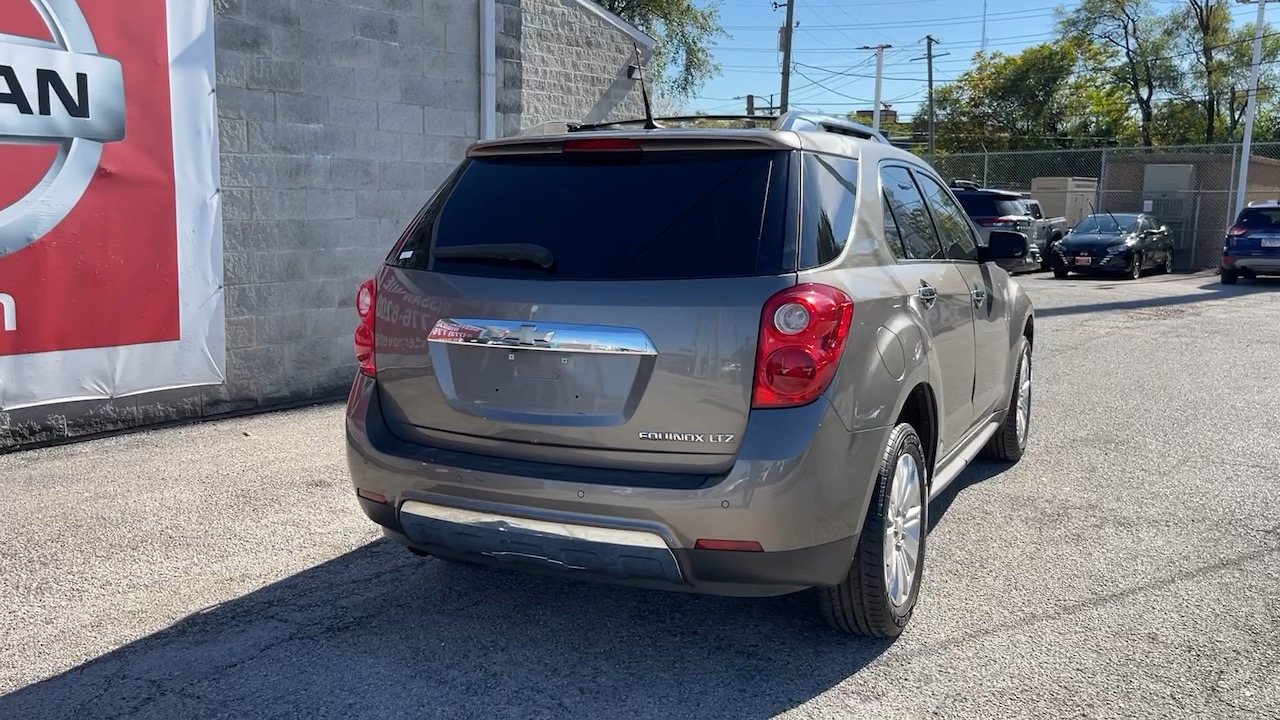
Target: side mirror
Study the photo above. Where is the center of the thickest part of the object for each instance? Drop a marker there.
(1004, 245)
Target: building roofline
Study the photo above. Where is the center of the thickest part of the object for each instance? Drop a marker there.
(641, 37)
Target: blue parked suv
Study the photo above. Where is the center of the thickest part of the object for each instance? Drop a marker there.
(1252, 247)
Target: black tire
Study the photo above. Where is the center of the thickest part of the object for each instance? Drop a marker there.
(1047, 264)
(1167, 267)
(1061, 273)
(1229, 277)
(1006, 445)
(1135, 268)
(860, 604)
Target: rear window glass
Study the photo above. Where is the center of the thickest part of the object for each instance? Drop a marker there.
(979, 205)
(658, 215)
(1258, 218)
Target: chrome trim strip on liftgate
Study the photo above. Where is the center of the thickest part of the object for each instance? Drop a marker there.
(555, 337)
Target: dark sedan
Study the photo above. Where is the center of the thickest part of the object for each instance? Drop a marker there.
(1123, 244)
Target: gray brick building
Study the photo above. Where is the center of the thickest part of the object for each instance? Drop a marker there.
(336, 120)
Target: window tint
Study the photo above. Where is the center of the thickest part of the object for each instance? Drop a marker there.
(830, 188)
(892, 236)
(618, 215)
(990, 205)
(1033, 208)
(958, 237)
(1260, 218)
(919, 239)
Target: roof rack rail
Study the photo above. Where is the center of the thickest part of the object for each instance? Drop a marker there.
(828, 123)
(965, 184)
(802, 121)
(584, 127)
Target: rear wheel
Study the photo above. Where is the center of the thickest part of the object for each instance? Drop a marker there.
(878, 596)
(1168, 264)
(1229, 277)
(1010, 441)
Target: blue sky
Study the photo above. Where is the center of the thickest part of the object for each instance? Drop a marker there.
(833, 75)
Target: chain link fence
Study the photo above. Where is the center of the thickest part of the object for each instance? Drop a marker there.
(1190, 188)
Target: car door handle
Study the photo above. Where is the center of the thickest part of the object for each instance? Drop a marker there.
(979, 296)
(927, 293)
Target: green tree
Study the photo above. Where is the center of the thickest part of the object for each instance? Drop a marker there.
(1095, 109)
(686, 33)
(1238, 59)
(1202, 31)
(1005, 101)
(1135, 50)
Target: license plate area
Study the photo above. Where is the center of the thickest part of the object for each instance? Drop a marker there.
(1084, 261)
(1270, 242)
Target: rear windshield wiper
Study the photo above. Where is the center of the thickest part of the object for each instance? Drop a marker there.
(516, 254)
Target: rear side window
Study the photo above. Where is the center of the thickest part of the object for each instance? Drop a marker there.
(919, 238)
(985, 205)
(659, 215)
(1260, 219)
(830, 189)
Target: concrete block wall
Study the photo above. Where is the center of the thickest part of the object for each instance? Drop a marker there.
(565, 60)
(337, 119)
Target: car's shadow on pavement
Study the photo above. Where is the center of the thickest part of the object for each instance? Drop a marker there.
(381, 633)
(978, 471)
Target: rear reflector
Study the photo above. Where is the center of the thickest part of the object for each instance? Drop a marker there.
(371, 495)
(598, 144)
(738, 545)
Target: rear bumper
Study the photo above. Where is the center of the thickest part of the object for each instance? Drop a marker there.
(805, 512)
(1261, 263)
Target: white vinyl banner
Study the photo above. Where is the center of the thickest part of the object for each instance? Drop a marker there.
(110, 215)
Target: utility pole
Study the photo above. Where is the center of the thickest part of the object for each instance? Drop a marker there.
(787, 32)
(751, 104)
(930, 41)
(1251, 109)
(875, 121)
(984, 26)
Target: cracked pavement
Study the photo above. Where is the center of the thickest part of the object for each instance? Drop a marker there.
(1129, 566)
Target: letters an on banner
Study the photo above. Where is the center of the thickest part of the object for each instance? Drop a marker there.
(110, 221)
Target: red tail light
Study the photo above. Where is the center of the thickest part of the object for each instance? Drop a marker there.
(597, 144)
(366, 308)
(802, 337)
(1237, 230)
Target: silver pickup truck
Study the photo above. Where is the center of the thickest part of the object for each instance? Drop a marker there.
(1045, 231)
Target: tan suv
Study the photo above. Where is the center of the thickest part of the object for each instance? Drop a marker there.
(733, 361)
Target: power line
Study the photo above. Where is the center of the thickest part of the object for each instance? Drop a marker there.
(1024, 14)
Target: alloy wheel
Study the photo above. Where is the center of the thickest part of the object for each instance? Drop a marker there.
(1023, 420)
(902, 530)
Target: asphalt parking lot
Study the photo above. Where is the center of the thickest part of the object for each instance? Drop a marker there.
(1127, 567)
